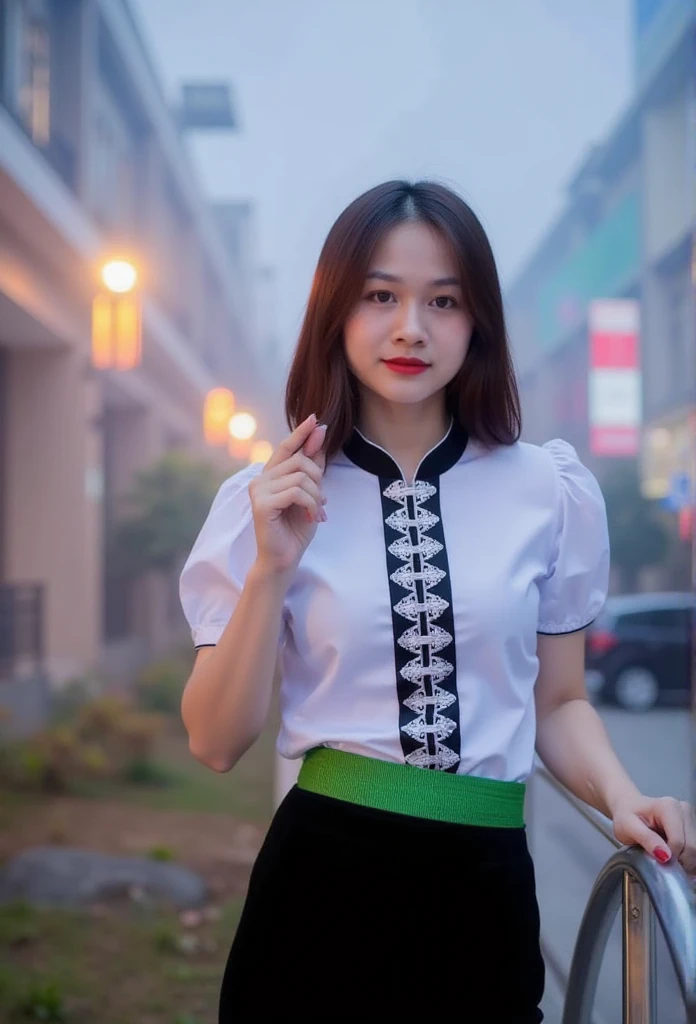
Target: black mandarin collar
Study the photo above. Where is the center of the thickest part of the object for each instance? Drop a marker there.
(438, 460)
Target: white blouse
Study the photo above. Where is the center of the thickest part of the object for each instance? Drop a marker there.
(410, 629)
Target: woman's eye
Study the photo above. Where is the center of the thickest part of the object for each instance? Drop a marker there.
(445, 302)
(382, 298)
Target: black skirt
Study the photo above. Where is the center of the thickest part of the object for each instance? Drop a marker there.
(355, 914)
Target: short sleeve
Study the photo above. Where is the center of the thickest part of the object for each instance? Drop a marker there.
(575, 588)
(225, 549)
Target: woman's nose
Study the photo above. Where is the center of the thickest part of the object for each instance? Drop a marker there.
(410, 326)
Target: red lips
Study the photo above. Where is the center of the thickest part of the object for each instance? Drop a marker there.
(402, 364)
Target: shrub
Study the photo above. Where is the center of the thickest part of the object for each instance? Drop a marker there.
(43, 1000)
(67, 701)
(149, 773)
(160, 685)
(106, 738)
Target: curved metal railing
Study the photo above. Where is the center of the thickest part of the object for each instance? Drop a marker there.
(648, 894)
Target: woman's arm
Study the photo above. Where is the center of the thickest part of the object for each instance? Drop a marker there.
(226, 700)
(227, 697)
(574, 745)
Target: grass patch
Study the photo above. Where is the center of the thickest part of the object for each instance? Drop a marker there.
(161, 853)
(112, 967)
(128, 963)
(246, 793)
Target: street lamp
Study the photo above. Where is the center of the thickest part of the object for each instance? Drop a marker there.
(217, 412)
(242, 426)
(119, 276)
(117, 318)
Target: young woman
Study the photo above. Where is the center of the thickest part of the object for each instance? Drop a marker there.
(425, 578)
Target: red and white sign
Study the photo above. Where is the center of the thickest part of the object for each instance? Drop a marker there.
(615, 387)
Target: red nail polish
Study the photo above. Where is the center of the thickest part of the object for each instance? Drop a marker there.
(662, 855)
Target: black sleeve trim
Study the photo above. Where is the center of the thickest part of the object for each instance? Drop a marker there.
(199, 647)
(568, 632)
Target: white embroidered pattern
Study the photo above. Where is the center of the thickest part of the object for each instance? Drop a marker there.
(431, 727)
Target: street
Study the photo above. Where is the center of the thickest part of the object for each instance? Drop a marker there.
(655, 747)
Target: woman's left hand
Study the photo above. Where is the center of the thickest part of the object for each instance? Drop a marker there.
(664, 827)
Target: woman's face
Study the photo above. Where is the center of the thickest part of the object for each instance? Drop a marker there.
(409, 334)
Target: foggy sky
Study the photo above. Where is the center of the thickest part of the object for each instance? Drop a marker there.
(500, 98)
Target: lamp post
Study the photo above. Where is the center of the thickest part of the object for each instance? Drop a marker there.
(218, 410)
(117, 318)
(241, 428)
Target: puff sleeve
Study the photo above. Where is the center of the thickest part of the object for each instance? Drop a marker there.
(574, 590)
(213, 576)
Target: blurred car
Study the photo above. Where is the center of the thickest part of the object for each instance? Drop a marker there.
(639, 651)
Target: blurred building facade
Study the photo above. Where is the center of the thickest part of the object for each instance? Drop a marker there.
(626, 232)
(93, 162)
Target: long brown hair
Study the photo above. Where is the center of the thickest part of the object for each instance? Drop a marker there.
(483, 396)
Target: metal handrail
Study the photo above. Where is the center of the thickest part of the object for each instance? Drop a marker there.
(647, 892)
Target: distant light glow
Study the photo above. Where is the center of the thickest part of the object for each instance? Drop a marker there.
(119, 276)
(261, 451)
(242, 426)
(660, 437)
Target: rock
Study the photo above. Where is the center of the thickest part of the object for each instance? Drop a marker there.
(65, 877)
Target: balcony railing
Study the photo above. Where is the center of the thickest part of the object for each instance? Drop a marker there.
(21, 629)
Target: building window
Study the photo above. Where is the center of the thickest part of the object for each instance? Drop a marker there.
(33, 70)
(175, 256)
(113, 182)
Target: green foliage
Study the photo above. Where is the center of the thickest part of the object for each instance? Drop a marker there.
(72, 696)
(18, 923)
(159, 686)
(145, 772)
(638, 537)
(165, 938)
(163, 854)
(43, 1000)
(167, 506)
(103, 740)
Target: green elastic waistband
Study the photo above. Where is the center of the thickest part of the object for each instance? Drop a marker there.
(418, 792)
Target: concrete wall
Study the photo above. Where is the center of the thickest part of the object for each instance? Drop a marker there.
(52, 517)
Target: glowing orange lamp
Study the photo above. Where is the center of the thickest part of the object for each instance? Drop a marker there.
(218, 410)
(117, 319)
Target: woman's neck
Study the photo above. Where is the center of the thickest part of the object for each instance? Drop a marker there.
(407, 432)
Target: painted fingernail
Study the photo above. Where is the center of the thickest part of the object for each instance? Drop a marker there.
(662, 855)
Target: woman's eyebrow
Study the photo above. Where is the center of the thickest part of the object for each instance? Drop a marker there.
(439, 282)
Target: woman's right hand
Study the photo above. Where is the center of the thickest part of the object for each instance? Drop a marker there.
(286, 498)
